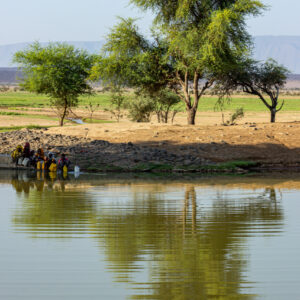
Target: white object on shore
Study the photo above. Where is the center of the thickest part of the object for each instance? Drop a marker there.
(76, 171)
(25, 162)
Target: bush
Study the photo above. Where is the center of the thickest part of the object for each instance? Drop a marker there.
(238, 114)
(141, 108)
(4, 88)
(117, 100)
(164, 101)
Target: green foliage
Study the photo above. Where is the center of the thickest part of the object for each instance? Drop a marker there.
(263, 80)
(141, 109)
(117, 101)
(237, 115)
(59, 71)
(193, 40)
(91, 107)
(164, 102)
(130, 60)
(226, 38)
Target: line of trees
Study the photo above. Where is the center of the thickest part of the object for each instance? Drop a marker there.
(194, 45)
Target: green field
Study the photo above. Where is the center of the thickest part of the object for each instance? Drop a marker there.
(19, 100)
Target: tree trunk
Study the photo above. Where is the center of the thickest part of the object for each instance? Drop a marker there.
(166, 116)
(191, 116)
(158, 116)
(273, 115)
(61, 123)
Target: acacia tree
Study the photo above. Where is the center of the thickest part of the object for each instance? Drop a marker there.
(59, 71)
(263, 80)
(129, 59)
(204, 37)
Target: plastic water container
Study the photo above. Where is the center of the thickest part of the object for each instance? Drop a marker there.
(76, 170)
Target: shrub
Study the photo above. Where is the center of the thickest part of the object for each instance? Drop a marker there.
(141, 109)
(238, 114)
(164, 101)
(117, 101)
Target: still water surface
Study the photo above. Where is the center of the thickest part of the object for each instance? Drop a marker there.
(135, 238)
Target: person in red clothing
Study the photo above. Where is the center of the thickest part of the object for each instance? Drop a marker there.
(26, 150)
(64, 161)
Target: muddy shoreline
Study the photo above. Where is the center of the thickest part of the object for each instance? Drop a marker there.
(95, 155)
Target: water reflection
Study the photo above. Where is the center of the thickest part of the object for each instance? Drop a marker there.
(46, 208)
(191, 240)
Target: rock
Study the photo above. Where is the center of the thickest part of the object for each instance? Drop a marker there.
(187, 162)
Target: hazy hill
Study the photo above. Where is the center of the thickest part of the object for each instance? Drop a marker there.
(285, 49)
(8, 75)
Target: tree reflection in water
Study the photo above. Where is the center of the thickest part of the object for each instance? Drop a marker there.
(194, 250)
(47, 208)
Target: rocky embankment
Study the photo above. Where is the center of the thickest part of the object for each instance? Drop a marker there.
(98, 155)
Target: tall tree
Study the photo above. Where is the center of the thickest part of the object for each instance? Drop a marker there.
(263, 80)
(59, 71)
(129, 59)
(205, 37)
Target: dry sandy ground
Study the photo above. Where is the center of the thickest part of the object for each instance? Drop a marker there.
(264, 142)
(203, 118)
(10, 121)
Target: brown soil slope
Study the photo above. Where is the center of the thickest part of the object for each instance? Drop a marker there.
(267, 143)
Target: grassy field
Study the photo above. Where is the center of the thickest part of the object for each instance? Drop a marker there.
(12, 128)
(20, 100)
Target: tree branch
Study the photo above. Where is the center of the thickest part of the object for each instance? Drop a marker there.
(281, 106)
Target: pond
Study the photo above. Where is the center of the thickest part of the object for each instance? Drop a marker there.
(137, 237)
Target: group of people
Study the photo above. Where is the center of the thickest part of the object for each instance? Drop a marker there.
(24, 156)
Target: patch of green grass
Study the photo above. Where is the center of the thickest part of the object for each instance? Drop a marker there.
(14, 128)
(35, 127)
(94, 121)
(22, 99)
(11, 128)
(231, 165)
(31, 116)
(10, 113)
(239, 164)
(207, 103)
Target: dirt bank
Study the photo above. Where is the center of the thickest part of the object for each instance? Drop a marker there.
(277, 143)
(129, 146)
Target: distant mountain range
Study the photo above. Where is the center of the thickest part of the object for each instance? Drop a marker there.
(284, 49)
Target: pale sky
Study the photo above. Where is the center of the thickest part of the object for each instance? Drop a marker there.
(90, 20)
